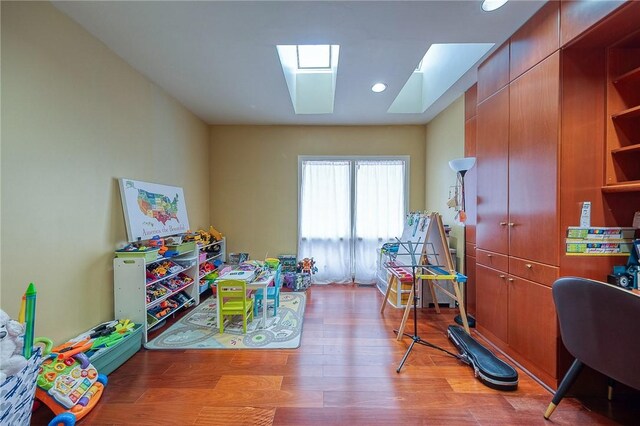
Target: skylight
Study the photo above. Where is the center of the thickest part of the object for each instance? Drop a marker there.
(313, 56)
(441, 66)
(310, 72)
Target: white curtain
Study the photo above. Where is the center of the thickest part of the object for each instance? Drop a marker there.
(379, 212)
(325, 219)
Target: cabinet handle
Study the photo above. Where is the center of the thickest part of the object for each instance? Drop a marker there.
(528, 265)
(503, 223)
(510, 279)
(501, 276)
(511, 224)
(489, 255)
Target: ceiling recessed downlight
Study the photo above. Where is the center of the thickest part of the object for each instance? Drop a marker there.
(490, 5)
(379, 87)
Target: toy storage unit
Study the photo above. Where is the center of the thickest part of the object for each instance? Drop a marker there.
(132, 286)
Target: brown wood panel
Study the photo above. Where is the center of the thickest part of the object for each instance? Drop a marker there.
(578, 16)
(534, 118)
(492, 150)
(470, 249)
(583, 155)
(533, 271)
(470, 287)
(535, 40)
(493, 73)
(533, 327)
(492, 260)
(492, 299)
(617, 25)
(470, 181)
(470, 102)
(470, 137)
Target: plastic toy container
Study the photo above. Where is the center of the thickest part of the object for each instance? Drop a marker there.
(106, 360)
(184, 247)
(148, 255)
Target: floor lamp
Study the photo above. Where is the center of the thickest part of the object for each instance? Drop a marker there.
(461, 166)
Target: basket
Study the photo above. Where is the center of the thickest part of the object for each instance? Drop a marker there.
(272, 262)
(17, 393)
(147, 255)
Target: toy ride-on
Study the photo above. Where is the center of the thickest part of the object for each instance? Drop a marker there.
(68, 384)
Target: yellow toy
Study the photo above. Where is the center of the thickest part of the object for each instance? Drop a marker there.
(215, 233)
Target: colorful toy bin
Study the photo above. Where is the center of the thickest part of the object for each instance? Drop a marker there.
(17, 392)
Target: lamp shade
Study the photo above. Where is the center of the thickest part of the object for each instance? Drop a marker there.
(459, 165)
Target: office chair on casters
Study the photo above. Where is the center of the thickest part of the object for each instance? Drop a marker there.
(599, 328)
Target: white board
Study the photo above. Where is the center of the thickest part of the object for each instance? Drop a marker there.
(152, 209)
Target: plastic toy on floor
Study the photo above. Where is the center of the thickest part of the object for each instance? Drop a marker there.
(68, 384)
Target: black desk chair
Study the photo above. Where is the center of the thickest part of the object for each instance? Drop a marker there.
(598, 324)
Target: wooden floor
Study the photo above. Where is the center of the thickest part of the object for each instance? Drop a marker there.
(344, 373)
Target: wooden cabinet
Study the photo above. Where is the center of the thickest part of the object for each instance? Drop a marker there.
(534, 113)
(492, 302)
(538, 38)
(493, 73)
(492, 150)
(470, 188)
(529, 326)
(623, 116)
(563, 130)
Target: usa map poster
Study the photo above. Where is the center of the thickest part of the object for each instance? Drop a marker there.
(152, 209)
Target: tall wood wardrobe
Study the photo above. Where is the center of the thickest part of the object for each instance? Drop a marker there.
(553, 121)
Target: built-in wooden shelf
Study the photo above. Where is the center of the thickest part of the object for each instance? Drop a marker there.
(627, 149)
(628, 113)
(631, 186)
(634, 74)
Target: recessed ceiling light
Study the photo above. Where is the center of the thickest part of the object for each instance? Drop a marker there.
(379, 87)
(490, 5)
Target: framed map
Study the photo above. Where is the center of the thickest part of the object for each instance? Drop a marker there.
(152, 209)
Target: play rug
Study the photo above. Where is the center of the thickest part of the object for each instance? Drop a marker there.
(199, 329)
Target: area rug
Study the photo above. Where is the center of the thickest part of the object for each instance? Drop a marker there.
(199, 329)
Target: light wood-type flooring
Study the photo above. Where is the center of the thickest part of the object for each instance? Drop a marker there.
(344, 373)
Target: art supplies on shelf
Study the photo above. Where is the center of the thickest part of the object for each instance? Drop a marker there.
(600, 233)
(603, 241)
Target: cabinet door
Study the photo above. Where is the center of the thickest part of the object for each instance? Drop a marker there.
(533, 329)
(491, 301)
(492, 147)
(470, 272)
(533, 163)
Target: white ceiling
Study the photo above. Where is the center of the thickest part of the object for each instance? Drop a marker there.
(219, 59)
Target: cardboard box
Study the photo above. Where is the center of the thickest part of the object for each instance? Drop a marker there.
(598, 246)
(600, 233)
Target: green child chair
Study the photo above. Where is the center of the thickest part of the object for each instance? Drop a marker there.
(232, 297)
(273, 293)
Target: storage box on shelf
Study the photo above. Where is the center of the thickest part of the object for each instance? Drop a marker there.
(148, 290)
(210, 257)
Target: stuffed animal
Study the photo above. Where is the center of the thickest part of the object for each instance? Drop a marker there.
(11, 343)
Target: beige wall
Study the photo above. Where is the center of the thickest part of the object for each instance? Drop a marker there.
(254, 177)
(445, 141)
(74, 118)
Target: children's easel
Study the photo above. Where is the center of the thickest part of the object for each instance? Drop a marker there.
(434, 265)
